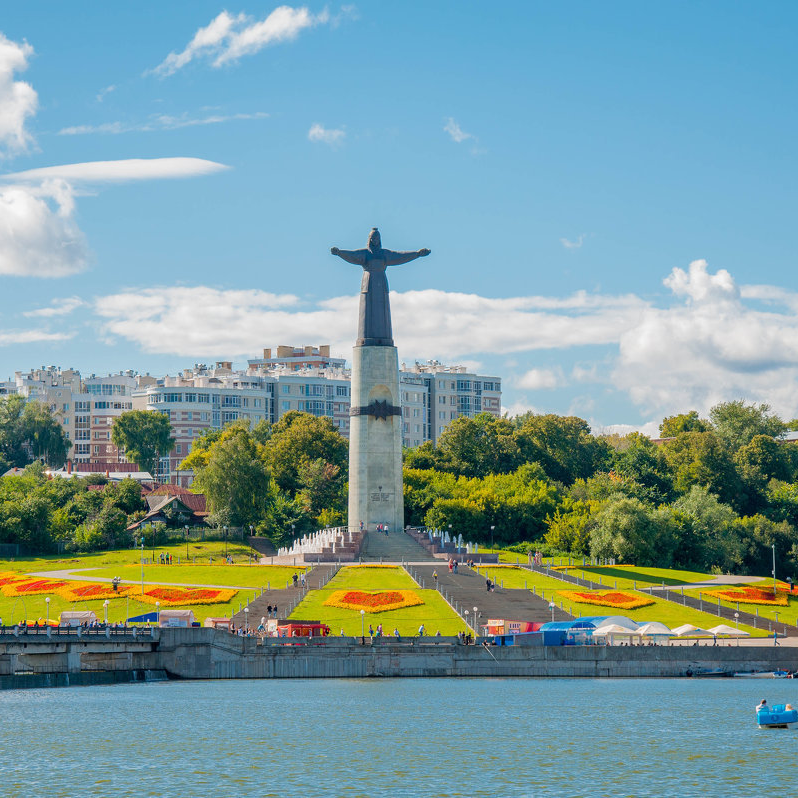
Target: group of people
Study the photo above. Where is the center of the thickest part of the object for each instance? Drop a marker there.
(165, 558)
(271, 612)
(297, 580)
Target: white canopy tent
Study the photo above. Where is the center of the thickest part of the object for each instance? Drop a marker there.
(688, 630)
(655, 629)
(613, 630)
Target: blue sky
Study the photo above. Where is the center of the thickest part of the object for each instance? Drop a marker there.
(608, 191)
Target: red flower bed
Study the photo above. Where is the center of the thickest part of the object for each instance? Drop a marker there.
(608, 598)
(750, 595)
(381, 601)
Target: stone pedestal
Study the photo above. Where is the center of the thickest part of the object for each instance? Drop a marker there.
(375, 440)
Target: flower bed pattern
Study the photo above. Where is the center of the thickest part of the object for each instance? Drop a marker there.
(750, 595)
(14, 584)
(609, 598)
(183, 596)
(380, 601)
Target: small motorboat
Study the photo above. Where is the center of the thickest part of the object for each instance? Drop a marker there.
(777, 717)
(762, 674)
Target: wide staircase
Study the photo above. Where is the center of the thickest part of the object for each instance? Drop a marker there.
(285, 598)
(393, 547)
(467, 589)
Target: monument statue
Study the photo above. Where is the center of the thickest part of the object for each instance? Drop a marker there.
(374, 322)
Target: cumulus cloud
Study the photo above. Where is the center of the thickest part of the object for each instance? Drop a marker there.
(542, 379)
(121, 171)
(705, 342)
(18, 100)
(229, 37)
(331, 136)
(456, 133)
(58, 307)
(38, 233)
(159, 122)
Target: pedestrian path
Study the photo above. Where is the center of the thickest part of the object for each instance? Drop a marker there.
(467, 589)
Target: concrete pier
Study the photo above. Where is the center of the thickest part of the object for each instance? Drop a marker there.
(212, 654)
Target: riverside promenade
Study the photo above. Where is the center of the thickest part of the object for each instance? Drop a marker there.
(120, 655)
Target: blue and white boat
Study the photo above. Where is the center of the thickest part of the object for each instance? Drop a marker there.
(777, 717)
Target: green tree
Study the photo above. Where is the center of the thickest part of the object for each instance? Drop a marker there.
(298, 439)
(146, 436)
(684, 422)
(736, 423)
(637, 459)
(571, 525)
(699, 458)
(29, 430)
(476, 447)
(705, 523)
(236, 480)
(632, 532)
(563, 445)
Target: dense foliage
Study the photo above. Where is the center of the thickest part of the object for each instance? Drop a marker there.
(712, 494)
(28, 432)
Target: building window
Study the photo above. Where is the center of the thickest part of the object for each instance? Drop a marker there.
(203, 398)
(286, 405)
(286, 389)
(341, 390)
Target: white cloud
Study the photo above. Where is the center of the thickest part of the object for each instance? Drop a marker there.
(542, 379)
(331, 136)
(18, 100)
(9, 337)
(103, 92)
(703, 344)
(58, 307)
(573, 244)
(227, 38)
(158, 122)
(456, 133)
(38, 234)
(650, 428)
(121, 171)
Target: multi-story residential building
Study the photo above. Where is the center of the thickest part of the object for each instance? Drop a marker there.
(307, 379)
(86, 408)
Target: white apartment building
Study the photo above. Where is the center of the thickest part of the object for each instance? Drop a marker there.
(307, 379)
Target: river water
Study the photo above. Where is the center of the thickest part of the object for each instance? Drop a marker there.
(399, 737)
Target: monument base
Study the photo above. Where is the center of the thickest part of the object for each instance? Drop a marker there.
(375, 440)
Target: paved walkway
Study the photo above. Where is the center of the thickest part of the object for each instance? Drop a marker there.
(467, 589)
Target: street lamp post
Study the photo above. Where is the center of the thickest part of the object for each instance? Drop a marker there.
(362, 626)
(157, 613)
(491, 535)
(105, 610)
(251, 534)
(476, 622)
(186, 542)
(465, 612)
(225, 543)
(246, 619)
(737, 624)
(47, 604)
(773, 547)
(142, 563)
(551, 607)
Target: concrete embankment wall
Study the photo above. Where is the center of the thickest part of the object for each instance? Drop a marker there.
(212, 654)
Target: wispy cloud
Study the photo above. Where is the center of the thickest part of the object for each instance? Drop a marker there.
(58, 307)
(119, 171)
(573, 244)
(18, 100)
(542, 379)
(159, 122)
(331, 136)
(229, 37)
(102, 93)
(9, 337)
(456, 133)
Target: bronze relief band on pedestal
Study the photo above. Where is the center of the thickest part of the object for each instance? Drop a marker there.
(378, 409)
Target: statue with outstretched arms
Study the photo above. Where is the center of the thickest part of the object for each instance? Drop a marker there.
(374, 323)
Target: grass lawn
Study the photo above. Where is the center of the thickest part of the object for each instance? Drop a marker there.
(626, 576)
(434, 613)
(243, 575)
(788, 614)
(667, 612)
(200, 551)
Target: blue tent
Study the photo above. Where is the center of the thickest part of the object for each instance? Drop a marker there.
(560, 633)
(152, 617)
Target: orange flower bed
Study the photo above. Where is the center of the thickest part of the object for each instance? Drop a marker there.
(608, 598)
(12, 584)
(750, 595)
(183, 596)
(380, 601)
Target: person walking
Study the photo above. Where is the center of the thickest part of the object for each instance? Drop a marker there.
(421, 630)
(488, 584)
(435, 577)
